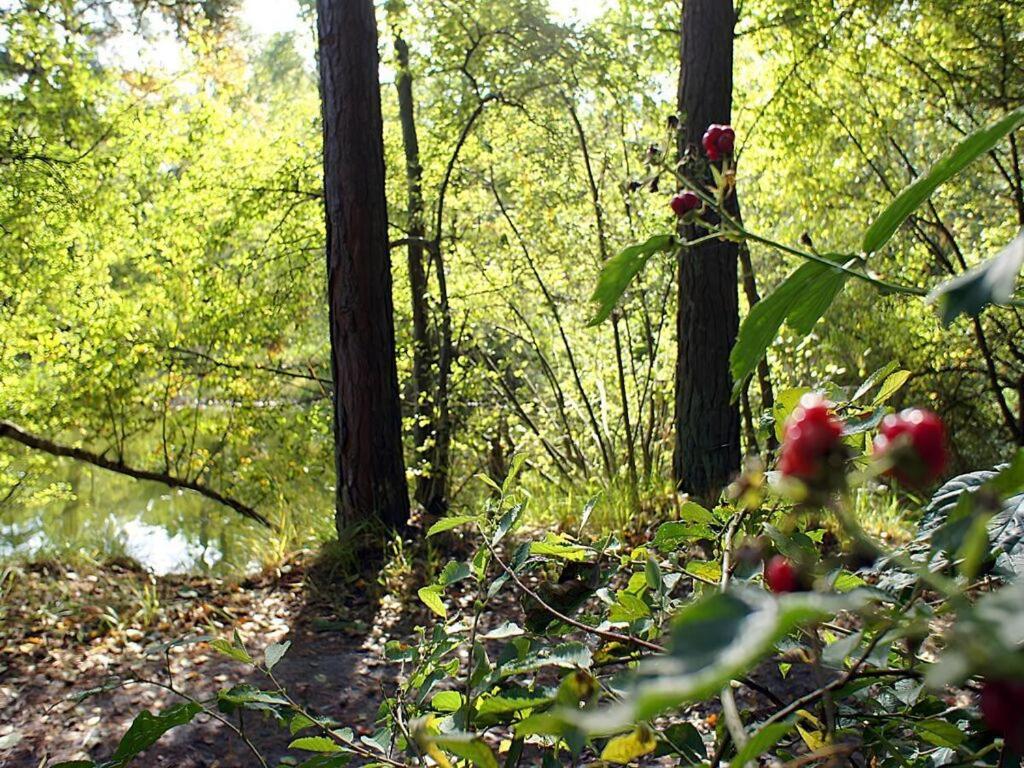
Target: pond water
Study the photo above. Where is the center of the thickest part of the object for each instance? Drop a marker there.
(103, 515)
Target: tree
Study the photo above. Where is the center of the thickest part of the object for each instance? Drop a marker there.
(707, 447)
(367, 416)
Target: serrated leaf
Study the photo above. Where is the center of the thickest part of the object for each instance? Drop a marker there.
(893, 383)
(991, 282)
(234, 651)
(147, 728)
(620, 270)
(623, 749)
(950, 164)
(275, 653)
(431, 597)
(448, 523)
(802, 298)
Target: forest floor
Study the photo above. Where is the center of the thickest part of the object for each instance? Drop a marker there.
(67, 631)
(64, 632)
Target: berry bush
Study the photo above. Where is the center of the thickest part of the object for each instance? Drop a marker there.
(771, 625)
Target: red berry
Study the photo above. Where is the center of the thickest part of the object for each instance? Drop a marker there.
(718, 140)
(684, 203)
(1002, 705)
(813, 435)
(781, 576)
(727, 140)
(710, 141)
(914, 441)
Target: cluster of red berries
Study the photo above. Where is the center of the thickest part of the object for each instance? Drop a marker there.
(912, 442)
(1002, 706)
(718, 141)
(812, 444)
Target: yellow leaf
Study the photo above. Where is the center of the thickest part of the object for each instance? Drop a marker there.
(629, 746)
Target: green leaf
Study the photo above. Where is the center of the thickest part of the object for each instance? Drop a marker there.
(560, 547)
(713, 641)
(504, 631)
(147, 729)
(453, 572)
(321, 744)
(761, 742)
(618, 272)
(940, 733)
(275, 653)
(446, 701)
(468, 747)
(880, 375)
(802, 298)
(512, 702)
(628, 608)
(991, 282)
(236, 652)
(786, 402)
(431, 597)
(623, 749)
(950, 164)
(447, 523)
(893, 384)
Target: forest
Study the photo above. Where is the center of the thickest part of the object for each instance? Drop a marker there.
(467, 383)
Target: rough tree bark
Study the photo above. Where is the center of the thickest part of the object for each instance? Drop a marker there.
(707, 449)
(367, 413)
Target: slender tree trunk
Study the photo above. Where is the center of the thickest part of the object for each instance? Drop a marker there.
(764, 376)
(707, 449)
(367, 413)
(424, 408)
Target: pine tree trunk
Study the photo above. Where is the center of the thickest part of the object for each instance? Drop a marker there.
(707, 449)
(367, 416)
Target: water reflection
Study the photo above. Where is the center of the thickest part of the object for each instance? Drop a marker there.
(103, 515)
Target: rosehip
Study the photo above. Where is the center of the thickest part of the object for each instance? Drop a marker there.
(811, 442)
(1002, 705)
(914, 441)
(718, 140)
(684, 203)
(781, 576)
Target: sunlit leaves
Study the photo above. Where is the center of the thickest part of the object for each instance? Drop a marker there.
(618, 272)
(958, 158)
(801, 299)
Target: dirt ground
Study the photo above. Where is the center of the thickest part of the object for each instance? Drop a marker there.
(65, 645)
(63, 633)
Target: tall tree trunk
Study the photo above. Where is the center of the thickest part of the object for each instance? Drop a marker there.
(707, 449)
(367, 414)
(429, 492)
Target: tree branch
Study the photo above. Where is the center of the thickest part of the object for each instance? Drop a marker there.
(12, 432)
